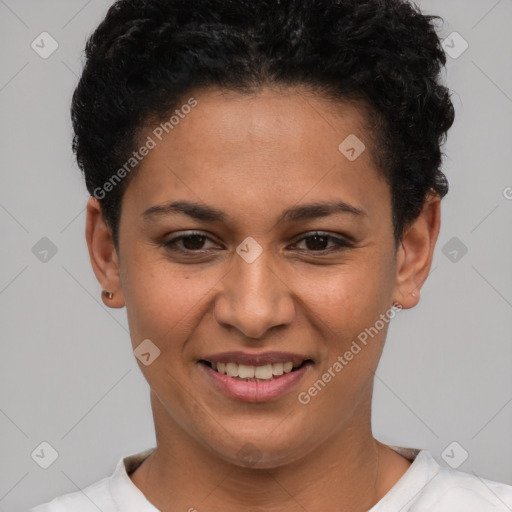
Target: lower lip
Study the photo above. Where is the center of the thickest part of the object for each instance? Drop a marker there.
(257, 391)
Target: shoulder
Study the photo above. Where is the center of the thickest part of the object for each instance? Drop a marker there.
(111, 494)
(450, 490)
(91, 499)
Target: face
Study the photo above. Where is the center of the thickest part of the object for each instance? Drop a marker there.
(225, 265)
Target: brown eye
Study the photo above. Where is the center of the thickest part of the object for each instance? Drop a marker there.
(318, 242)
(193, 242)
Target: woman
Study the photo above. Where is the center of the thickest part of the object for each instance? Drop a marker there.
(265, 197)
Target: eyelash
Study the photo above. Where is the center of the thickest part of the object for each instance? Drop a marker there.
(340, 244)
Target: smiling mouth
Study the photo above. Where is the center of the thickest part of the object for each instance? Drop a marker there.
(249, 373)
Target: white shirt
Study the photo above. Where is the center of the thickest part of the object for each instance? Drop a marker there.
(424, 487)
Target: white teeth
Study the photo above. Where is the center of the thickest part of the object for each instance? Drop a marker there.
(232, 369)
(246, 371)
(263, 372)
(277, 369)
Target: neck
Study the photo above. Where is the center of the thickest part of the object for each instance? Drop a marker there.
(349, 471)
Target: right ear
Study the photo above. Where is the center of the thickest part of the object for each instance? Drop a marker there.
(103, 254)
(416, 251)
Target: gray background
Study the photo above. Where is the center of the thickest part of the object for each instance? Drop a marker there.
(68, 374)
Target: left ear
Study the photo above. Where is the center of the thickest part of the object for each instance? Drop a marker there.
(415, 253)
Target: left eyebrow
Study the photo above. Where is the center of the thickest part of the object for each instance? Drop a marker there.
(294, 214)
(319, 209)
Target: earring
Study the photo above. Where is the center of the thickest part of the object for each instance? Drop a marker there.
(108, 295)
(413, 294)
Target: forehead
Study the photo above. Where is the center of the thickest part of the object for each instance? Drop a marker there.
(279, 120)
(277, 145)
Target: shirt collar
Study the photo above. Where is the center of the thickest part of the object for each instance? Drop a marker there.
(128, 497)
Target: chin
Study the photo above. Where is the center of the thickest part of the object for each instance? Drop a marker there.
(260, 451)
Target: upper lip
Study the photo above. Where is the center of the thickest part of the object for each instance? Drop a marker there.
(258, 359)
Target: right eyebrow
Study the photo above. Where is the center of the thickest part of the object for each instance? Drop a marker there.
(196, 210)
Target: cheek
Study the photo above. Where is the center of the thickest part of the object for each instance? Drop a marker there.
(165, 301)
(349, 297)
(162, 299)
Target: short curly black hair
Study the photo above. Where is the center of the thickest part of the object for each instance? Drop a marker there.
(147, 55)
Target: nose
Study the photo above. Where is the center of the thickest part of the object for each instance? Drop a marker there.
(254, 298)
